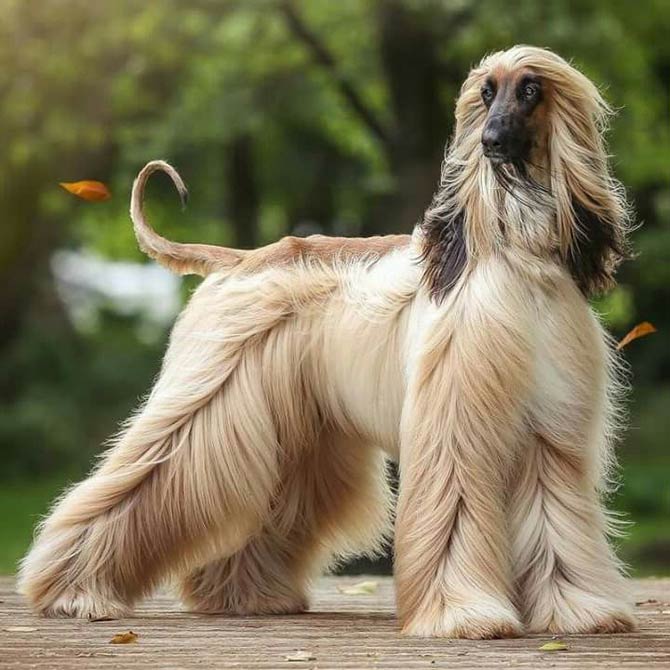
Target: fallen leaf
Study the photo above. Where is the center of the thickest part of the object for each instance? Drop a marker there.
(648, 601)
(96, 619)
(20, 629)
(642, 329)
(93, 191)
(554, 645)
(361, 589)
(301, 656)
(124, 638)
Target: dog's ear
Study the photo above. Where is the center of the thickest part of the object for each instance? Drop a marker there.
(592, 214)
(444, 250)
(595, 252)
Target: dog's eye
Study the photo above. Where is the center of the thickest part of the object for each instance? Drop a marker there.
(487, 94)
(530, 91)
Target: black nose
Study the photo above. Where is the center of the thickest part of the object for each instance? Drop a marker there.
(492, 141)
(494, 137)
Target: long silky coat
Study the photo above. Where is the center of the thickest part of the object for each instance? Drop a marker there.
(468, 352)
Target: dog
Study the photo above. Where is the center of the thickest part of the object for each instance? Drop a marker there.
(468, 352)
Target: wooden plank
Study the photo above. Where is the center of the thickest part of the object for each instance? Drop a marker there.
(341, 631)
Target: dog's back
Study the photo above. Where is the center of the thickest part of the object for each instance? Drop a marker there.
(337, 325)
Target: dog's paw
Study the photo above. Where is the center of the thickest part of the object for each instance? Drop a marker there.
(476, 620)
(206, 592)
(53, 592)
(54, 596)
(586, 615)
(80, 604)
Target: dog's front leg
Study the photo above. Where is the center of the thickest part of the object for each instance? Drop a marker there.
(568, 577)
(461, 424)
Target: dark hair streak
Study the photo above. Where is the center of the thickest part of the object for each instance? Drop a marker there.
(444, 251)
(597, 250)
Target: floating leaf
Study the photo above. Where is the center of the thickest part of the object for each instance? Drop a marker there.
(124, 638)
(20, 629)
(93, 191)
(361, 589)
(299, 656)
(642, 329)
(554, 645)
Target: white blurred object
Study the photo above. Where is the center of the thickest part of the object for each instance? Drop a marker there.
(86, 282)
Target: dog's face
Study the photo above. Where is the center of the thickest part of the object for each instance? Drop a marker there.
(514, 102)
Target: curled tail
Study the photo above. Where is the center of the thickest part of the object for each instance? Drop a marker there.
(199, 259)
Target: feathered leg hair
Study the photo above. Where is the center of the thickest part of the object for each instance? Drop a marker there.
(224, 468)
(334, 501)
(461, 431)
(567, 576)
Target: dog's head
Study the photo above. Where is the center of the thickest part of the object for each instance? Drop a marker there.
(527, 167)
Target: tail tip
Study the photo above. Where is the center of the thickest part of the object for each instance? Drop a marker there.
(183, 197)
(164, 166)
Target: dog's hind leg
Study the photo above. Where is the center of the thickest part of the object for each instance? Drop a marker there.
(333, 501)
(190, 478)
(155, 506)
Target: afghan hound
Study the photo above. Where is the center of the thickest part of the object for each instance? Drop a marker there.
(467, 351)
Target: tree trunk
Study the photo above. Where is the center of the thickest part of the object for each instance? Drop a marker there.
(409, 57)
(243, 191)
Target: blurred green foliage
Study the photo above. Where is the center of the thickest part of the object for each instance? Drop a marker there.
(315, 114)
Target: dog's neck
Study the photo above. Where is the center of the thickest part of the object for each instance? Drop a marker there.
(480, 212)
(509, 208)
(499, 210)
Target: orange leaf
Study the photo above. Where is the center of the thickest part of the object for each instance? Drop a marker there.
(93, 191)
(124, 638)
(642, 329)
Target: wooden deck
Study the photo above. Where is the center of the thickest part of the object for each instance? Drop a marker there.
(341, 631)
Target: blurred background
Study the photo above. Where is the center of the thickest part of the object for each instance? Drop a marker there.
(282, 117)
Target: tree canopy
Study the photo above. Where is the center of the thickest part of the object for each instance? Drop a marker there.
(281, 115)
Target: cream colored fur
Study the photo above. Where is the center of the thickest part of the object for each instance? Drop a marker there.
(259, 455)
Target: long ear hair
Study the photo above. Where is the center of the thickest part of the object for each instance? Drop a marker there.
(592, 215)
(447, 232)
(444, 249)
(582, 214)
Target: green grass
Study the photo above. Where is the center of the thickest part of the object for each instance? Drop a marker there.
(646, 548)
(21, 506)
